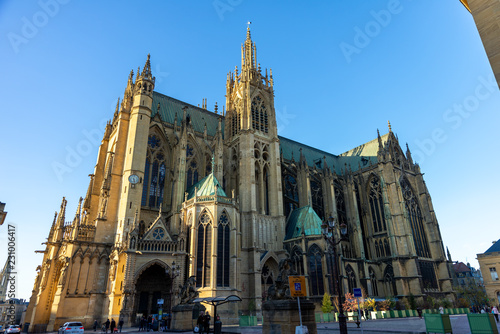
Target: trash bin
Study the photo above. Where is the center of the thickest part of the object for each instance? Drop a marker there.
(217, 327)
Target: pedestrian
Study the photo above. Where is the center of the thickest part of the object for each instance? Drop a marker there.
(150, 318)
(113, 325)
(419, 311)
(120, 325)
(200, 322)
(483, 310)
(107, 325)
(441, 309)
(494, 310)
(96, 324)
(206, 322)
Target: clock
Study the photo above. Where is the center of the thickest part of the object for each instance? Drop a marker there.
(134, 179)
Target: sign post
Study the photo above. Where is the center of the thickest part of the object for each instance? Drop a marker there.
(160, 312)
(298, 289)
(357, 294)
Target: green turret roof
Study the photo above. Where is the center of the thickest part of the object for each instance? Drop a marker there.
(303, 220)
(206, 187)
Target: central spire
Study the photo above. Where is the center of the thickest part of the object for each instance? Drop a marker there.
(248, 52)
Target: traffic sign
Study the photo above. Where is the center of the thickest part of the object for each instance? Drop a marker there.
(297, 286)
(357, 293)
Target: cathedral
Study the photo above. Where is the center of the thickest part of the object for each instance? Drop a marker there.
(181, 192)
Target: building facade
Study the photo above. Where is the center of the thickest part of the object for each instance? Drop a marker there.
(489, 263)
(226, 198)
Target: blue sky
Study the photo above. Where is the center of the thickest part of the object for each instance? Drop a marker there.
(341, 69)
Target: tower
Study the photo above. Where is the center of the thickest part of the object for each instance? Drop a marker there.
(254, 162)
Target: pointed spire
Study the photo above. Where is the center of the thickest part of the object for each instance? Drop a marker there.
(62, 213)
(408, 155)
(213, 163)
(117, 106)
(146, 71)
(216, 108)
(249, 37)
(448, 254)
(76, 220)
(389, 125)
(138, 73)
(86, 203)
(380, 146)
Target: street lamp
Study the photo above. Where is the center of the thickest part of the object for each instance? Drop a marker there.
(328, 229)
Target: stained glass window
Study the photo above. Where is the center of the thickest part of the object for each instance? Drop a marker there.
(259, 115)
(155, 171)
(317, 198)
(204, 251)
(316, 271)
(377, 206)
(416, 220)
(291, 194)
(223, 255)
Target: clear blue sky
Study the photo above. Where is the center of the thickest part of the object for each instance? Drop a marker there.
(342, 69)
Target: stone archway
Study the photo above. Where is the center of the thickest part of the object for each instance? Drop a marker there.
(152, 284)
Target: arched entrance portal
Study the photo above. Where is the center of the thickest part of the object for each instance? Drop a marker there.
(152, 284)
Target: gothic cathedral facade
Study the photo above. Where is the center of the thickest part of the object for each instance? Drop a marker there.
(179, 192)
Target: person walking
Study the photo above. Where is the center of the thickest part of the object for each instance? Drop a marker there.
(200, 322)
(113, 325)
(120, 325)
(96, 324)
(107, 325)
(494, 310)
(441, 309)
(206, 322)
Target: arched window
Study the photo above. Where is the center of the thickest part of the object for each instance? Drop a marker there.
(341, 207)
(416, 220)
(192, 167)
(389, 282)
(155, 171)
(259, 115)
(362, 223)
(266, 279)
(377, 206)
(387, 248)
(204, 252)
(291, 194)
(298, 263)
(373, 281)
(351, 278)
(316, 271)
(223, 256)
(317, 198)
(377, 250)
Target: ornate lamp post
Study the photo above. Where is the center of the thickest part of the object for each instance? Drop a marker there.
(328, 229)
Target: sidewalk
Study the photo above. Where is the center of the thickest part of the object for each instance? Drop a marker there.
(459, 325)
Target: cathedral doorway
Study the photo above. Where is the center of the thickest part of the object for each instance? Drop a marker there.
(153, 284)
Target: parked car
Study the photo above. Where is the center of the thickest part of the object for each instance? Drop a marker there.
(71, 328)
(2, 330)
(13, 329)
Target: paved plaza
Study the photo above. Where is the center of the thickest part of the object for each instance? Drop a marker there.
(459, 325)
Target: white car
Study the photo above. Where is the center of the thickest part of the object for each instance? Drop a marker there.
(71, 328)
(13, 329)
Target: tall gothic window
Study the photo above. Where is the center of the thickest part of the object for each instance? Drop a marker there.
(259, 115)
(291, 194)
(340, 203)
(266, 279)
(298, 263)
(377, 206)
(192, 167)
(416, 220)
(373, 281)
(351, 278)
(368, 254)
(204, 252)
(317, 198)
(316, 270)
(223, 255)
(389, 282)
(235, 122)
(155, 171)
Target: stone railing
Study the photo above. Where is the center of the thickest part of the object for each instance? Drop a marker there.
(157, 246)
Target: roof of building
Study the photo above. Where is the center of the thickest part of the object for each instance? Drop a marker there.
(461, 267)
(360, 156)
(303, 220)
(206, 187)
(199, 116)
(494, 248)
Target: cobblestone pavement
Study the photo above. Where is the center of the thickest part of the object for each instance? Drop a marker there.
(459, 325)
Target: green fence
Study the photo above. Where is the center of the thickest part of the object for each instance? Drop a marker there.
(482, 323)
(248, 320)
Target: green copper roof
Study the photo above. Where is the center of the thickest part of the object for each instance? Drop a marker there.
(303, 220)
(314, 156)
(206, 187)
(170, 106)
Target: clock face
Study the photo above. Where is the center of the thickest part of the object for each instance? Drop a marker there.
(158, 233)
(133, 179)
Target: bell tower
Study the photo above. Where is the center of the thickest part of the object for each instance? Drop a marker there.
(254, 172)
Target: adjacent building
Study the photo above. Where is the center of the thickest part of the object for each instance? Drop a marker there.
(489, 263)
(225, 198)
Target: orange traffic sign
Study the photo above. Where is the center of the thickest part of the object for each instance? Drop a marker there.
(297, 286)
